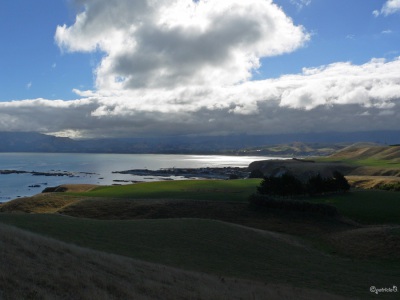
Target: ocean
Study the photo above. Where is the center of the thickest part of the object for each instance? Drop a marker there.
(96, 168)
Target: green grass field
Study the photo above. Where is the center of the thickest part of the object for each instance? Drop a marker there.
(216, 190)
(217, 248)
(366, 206)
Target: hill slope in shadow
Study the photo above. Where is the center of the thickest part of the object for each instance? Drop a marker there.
(34, 267)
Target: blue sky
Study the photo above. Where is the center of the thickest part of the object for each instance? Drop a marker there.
(46, 53)
(342, 31)
(29, 55)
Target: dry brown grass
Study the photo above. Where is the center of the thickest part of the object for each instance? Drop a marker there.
(78, 188)
(375, 171)
(34, 267)
(362, 151)
(371, 182)
(47, 202)
(40, 203)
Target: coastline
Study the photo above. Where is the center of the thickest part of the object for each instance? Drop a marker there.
(18, 180)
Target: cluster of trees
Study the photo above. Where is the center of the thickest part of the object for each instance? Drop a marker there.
(273, 193)
(288, 185)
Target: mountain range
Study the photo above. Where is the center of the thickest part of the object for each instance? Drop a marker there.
(309, 143)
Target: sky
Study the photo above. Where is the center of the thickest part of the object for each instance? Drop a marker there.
(114, 68)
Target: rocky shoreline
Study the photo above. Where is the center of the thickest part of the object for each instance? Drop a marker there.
(36, 185)
(206, 173)
(35, 173)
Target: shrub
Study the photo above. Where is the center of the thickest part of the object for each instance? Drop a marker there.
(393, 186)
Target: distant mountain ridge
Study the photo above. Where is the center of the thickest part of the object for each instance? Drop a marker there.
(297, 144)
(35, 142)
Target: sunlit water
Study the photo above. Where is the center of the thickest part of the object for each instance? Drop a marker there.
(100, 166)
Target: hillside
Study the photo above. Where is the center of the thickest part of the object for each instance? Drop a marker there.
(35, 267)
(369, 152)
(295, 149)
(381, 162)
(218, 248)
(201, 226)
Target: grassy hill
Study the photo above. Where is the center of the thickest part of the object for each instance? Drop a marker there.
(35, 267)
(217, 248)
(373, 166)
(207, 226)
(369, 155)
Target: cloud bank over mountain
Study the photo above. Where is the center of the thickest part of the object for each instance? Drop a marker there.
(180, 67)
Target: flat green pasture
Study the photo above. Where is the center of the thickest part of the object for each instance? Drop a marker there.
(215, 190)
(218, 248)
(366, 206)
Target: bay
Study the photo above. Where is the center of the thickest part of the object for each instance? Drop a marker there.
(96, 168)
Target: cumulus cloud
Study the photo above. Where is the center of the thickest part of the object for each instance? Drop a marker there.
(173, 43)
(390, 7)
(177, 67)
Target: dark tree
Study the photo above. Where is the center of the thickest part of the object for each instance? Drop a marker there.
(257, 173)
(289, 185)
(340, 181)
(285, 185)
(317, 185)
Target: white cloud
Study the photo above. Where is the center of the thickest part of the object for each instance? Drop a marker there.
(300, 3)
(340, 96)
(388, 31)
(178, 67)
(390, 7)
(174, 43)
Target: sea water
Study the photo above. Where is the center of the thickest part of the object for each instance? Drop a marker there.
(96, 168)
